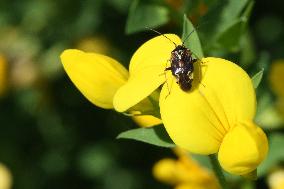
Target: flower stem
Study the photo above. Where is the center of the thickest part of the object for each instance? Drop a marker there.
(218, 171)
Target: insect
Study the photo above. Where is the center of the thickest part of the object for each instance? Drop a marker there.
(181, 64)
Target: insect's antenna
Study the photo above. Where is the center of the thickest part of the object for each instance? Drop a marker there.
(189, 34)
(194, 29)
(162, 35)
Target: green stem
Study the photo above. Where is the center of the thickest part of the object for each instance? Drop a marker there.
(218, 171)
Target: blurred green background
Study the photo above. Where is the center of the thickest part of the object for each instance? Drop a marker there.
(52, 137)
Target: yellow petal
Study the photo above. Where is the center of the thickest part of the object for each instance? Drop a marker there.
(206, 185)
(276, 179)
(146, 71)
(165, 171)
(146, 120)
(184, 171)
(243, 149)
(199, 119)
(148, 106)
(97, 76)
(180, 171)
(276, 77)
(5, 177)
(191, 186)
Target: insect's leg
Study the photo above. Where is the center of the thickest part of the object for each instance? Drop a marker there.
(197, 58)
(166, 69)
(170, 88)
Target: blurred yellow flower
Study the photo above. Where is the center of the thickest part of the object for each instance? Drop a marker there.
(5, 177)
(3, 74)
(276, 78)
(94, 44)
(184, 173)
(216, 116)
(276, 179)
(24, 74)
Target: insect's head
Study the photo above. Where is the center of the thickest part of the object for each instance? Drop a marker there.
(179, 50)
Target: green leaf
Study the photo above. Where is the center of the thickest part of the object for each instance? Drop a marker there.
(202, 160)
(248, 9)
(256, 79)
(275, 154)
(191, 39)
(224, 12)
(156, 135)
(251, 176)
(120, 5)
(230, 37)
(142, 15)
(220, 16)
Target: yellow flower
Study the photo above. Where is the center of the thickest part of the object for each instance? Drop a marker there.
(276, 179)
(5, 177)
(184, 173)
(98, 77)
(94, 44)
(3, 74)
(215, 116)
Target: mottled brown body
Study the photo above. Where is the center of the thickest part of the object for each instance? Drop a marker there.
(182, 66)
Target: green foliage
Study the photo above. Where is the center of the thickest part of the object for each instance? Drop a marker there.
(230, 37)
(156, 135)
(248, 51)
(191, 39)
(275, 154)
(51, 137)
(256, 79)
(224, 17)
(222, 14)
(269, 117)
(95, 161)
(142, 15)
